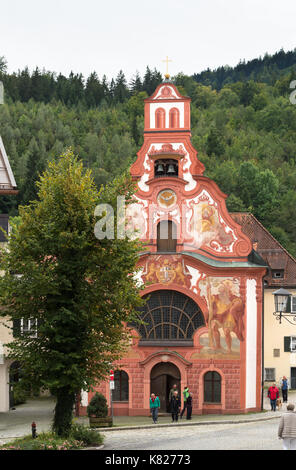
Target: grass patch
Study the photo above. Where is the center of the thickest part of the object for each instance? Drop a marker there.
(79, 438)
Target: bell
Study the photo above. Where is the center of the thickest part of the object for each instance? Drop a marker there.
(171, 169)
(159, 168)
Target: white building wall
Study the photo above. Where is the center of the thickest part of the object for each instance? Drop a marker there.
(167, 107)
(4, 387)
(251, 344)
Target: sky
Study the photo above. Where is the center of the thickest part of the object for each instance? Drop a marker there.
(103, 36)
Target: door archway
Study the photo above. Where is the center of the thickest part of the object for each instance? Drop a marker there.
(162, 378)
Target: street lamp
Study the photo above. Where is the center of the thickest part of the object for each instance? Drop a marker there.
(282, 302)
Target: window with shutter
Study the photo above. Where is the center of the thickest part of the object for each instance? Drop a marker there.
(293, 303)
(287, 343)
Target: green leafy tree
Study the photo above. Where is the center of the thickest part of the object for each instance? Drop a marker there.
(79, 289)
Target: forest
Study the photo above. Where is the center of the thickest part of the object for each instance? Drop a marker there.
(243, 127)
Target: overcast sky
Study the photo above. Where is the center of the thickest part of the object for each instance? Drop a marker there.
(106, 36)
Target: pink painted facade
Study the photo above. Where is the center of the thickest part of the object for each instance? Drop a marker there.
(204, 311)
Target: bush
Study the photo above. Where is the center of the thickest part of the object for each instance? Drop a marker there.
(19, 394)
(98, 406)
(87, 436)
(45, 441)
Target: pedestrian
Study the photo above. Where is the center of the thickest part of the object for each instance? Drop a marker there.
(287, 428)
(154, 406)
(189, 406)
(284, 389)
(175, 405)
(273, 394)
(172, 391)
(185, 396)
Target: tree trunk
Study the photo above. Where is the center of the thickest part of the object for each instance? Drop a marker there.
(63, 413)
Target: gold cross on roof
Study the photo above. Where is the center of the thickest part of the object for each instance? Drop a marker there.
(167, 60)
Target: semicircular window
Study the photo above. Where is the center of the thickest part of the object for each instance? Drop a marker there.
(169, 318)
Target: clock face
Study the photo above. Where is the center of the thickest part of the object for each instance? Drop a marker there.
(167, 198)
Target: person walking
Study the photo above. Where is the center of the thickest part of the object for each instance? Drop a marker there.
(175, 405)
(273, 394)
(284, 389)
(154, 406)
(185, 396)
(287, 428)
(189, 406)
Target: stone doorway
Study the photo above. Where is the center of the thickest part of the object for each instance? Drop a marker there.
(162, 378)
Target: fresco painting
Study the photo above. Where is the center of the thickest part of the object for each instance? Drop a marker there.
(225, 319)
(206, 226)
(166, 270)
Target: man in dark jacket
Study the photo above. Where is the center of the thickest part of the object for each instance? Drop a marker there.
(175, 405)
(285, 389)
(189, 406)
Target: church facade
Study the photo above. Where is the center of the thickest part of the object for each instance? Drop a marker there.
(202, 280)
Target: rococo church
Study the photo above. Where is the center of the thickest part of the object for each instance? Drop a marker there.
(202, 279)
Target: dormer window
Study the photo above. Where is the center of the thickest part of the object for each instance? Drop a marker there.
(278, 273)
(165, 168)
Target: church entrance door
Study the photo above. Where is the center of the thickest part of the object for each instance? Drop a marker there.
(163, 376)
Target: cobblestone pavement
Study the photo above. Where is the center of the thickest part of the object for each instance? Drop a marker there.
(250, 436)
(16, 423)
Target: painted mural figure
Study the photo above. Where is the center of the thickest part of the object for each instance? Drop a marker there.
(226, 312)
(206, 227)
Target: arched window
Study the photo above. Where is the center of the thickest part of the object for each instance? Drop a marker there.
(212, 387)
(120, 392)
(174, 118)
(166, 236)
(160, 118)
(169, 318)
(165, 167)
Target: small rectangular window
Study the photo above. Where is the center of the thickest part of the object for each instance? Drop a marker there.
(269, 374)
(276, 353)
(293, 303)
(278, 274)
(29, 327)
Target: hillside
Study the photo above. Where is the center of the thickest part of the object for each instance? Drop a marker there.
(244, 134)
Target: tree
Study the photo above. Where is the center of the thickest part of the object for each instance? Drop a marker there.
(215, 142)
(78, 289)
(34, 168)
(3, 65)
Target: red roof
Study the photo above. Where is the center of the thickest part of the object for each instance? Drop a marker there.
(280, 261)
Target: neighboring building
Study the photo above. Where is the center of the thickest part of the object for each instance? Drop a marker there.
(279, 339)
(7, 186)
(7, 181)
(203, 280)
